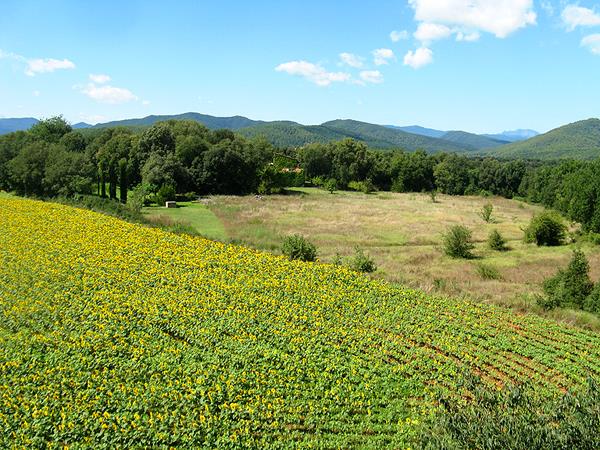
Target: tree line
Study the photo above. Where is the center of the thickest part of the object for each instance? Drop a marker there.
(52, 159)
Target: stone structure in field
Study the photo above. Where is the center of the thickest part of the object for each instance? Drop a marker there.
(171, 204)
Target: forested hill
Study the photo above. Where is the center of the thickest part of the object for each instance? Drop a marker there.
(292, 134)
(211, 122)
(379, 136)
(473, 140)
(578, 140)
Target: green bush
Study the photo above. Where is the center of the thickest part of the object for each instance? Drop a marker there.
(546, 228)
(361, 262)
(457, 242)
(433, 195)
(594, 238)
(297, 247)
(569, 287)
(366, 187)
(496, 241)
(516, 417)
(165, 194)
(487, 272)
(486, 212)
(138, 197)
(330, 185)
(592, 302)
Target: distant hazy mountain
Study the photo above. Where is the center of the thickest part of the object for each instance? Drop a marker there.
(474, 141)
(212, 122)
(380, 136)
(11, 125)
(416, 129)
(513, 135)
(81, 126)
(578, 140)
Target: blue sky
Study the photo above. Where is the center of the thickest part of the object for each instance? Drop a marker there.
(477, 65)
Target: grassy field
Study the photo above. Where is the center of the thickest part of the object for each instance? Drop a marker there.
(117, 335)
(194, 214)
(402, 232)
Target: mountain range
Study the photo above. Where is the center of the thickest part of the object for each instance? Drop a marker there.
(577, 140)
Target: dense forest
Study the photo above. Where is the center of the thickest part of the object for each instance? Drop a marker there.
(180, 156)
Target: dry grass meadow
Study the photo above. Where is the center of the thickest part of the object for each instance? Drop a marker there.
(402, 233)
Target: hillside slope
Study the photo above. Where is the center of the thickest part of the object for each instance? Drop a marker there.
(385, 137)
(578, 140)
(417, 129)
(114, 335)
(474, 141)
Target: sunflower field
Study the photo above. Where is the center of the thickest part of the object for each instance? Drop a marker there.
(116, 335)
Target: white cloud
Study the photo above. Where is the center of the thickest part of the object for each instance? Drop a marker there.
(107, 94)
(397, 36)
(592, 42)
(467, 37)
(312, 72)
(99, 78)
(35, 66)
(351, 60)
(574, 16)
(36, 93)
(428, 32)
(145, 102)
(419, 58)
(499, 17)
(382, 56)
(371, 76)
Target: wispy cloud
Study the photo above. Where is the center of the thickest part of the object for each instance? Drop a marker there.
(574, 16)
(99, 78)
(371, 76)
(592, 43)
(382, 56)
(34, 66)
(314, 73)
(397, 36)
(351, 60)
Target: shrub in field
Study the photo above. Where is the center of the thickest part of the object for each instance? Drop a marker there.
(361, 262)
(366, 187)
(165, 193)
(546, 228)
(297, 247)
(457, 242)
(486, 212)
(433, 195)
(570, 287)
(330, 185)
(487, 272)
(496, 241)
(515, 417)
